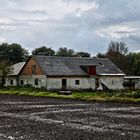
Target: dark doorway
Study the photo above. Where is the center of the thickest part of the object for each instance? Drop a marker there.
(96, 83)
(64, 84)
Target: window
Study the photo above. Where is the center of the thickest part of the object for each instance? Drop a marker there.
(11, 82)
(21, 82)
(36, 81)
(77, 82)
(33, 69)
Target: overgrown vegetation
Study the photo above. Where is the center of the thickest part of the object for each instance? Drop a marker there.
(4, 70)
(115, 96)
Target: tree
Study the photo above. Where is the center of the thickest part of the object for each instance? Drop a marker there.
(5, 69)
(13, 52)
(118, 47)
(82, 54)
(134, 63)
(17, 53)
(100, 55)
(43, 51)
(65, 52)
(117, 54)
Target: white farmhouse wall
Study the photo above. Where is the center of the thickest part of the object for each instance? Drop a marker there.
(55, 83)
(84, 83)
(42, 81)
(114, 83)
(9, 79)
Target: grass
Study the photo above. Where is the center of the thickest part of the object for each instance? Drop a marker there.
(115, 96)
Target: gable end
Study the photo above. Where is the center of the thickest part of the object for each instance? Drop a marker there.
(31, 68)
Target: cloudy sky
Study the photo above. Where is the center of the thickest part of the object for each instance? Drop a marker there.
(83, 25)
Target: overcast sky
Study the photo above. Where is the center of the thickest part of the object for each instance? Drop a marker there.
(83, 25)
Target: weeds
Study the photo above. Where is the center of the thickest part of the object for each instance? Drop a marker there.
(115, 96)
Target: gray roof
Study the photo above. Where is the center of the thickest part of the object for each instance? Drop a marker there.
(71, 66)
(16, 68)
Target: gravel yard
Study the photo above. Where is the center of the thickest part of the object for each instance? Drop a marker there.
(38, 118)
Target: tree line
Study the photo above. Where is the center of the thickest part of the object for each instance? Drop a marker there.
(16, 53)
(117, 52)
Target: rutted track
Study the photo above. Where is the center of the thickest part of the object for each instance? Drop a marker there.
(38, 118)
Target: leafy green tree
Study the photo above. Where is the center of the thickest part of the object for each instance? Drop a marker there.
(134, 63)
(82, 54)
(43, 51)
(100, 55)
(65, 52)
(137, 67)
(17, 53)
(4, 71)
(13, 52)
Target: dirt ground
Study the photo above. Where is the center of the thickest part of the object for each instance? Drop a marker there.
(38, 118)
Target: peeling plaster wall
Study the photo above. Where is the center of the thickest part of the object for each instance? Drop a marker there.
(55, 83)
(114, 83)
(30, 79)
(84, 83)
(9, 79)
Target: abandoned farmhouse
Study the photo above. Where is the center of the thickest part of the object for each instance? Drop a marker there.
(66, 73)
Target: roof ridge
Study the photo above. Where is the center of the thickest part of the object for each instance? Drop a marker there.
(60, 56)
(71, 57)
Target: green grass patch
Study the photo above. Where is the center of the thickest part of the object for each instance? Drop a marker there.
(115, 96)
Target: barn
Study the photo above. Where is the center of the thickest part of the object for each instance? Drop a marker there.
(70, 73)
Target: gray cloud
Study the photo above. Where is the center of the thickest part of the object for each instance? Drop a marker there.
(87, 25)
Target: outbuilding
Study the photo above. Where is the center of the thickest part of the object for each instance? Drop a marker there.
(13, 78)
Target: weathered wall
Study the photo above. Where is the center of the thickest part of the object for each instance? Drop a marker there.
(30, 79)
(56, 83)
(8, 81)
(113, 82)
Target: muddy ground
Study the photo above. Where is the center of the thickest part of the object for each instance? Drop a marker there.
(38, 118)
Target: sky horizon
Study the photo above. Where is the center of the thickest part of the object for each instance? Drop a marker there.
(82, 25)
